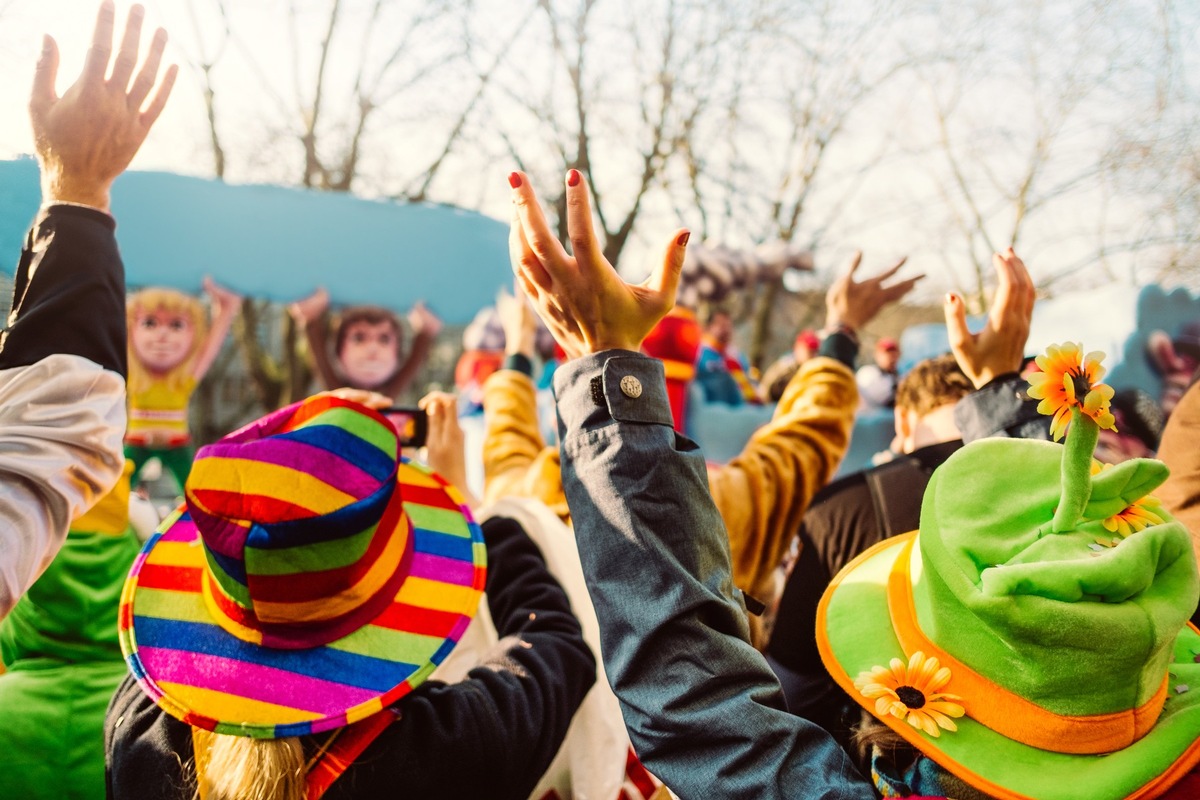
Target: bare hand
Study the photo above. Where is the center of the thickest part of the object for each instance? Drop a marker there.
(363, 397)
(222, 298)
(518, 320)
(853, 305)
(86, 138)
(423, 320)
(1000, 347)
(444, 439)
(582, 299)
(310, 308)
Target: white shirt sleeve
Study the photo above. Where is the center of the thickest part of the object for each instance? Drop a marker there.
(61, 424)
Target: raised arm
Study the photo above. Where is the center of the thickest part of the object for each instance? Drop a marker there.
(311, 314)
(225, 307)
(62, 356)
(516, 460)
(703, 710)
(992, 358)
(763, 493)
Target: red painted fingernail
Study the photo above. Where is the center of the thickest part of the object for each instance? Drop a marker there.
(949, 298)
(683, 238)
(573, 177)
(514, 180)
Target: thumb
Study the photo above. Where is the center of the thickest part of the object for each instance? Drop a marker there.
(664, 281)
(44, 76)
(956, 323)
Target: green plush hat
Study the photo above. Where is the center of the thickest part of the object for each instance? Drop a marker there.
(1032, 637)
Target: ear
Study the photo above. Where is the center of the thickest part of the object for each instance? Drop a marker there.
(900, 417)
(1115, 489)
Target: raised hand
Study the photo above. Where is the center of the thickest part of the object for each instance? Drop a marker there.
(222, 298)
(1000, 347)
(310, 308)
(518, 320)
(364, 397)
(87, 137)
(853, 304)
(581, 298)
(423, 320)
(444, 441)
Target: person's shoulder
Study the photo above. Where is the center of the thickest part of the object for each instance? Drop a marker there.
(846, 489)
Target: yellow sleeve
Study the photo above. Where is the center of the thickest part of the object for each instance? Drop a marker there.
(763, 493)
(516, 461)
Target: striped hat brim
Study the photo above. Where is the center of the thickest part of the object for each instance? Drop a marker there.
(201, 674)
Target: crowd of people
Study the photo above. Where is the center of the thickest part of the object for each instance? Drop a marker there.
(1000, 609)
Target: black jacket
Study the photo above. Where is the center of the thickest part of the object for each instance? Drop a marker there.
(492, 735)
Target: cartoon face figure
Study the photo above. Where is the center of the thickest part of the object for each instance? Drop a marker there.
(369, 353)
(161, 339)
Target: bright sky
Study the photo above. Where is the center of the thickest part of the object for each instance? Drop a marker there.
(893, 214)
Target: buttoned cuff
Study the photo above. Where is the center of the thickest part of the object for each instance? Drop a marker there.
(614, 385)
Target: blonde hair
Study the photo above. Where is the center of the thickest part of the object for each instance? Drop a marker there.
(171, 301)
(241, 768)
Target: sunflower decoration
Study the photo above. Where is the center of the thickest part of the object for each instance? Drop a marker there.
(1069, 379)
(1144, 512)
(913, 692)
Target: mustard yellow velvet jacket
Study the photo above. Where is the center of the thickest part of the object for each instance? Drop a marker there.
(762, 494)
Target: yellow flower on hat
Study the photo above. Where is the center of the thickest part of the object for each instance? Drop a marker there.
(912, 692)
(1140, 515)
(1071, 380)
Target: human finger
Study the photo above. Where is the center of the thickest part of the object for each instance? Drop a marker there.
(44, 76)
(364, 397)
(579, 218)
(664, 280)
(149, 71)
(891, 270)
(159, 101)
(855, 260)
(956, 323)
(538, 235)
(127, 53)
(1005, 278)
(895, 292)
(525, 263)
(1025, 281)
(95, 65)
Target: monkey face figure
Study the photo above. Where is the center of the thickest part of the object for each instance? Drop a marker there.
(369, 353)
(161, 339)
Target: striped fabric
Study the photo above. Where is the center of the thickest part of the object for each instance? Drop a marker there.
(310, 580)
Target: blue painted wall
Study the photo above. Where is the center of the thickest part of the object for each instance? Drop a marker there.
(279, 243)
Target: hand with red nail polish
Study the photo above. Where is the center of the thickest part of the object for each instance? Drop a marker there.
(999, 348)
(581, 298)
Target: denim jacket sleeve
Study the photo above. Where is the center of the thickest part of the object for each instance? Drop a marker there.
(703, 710)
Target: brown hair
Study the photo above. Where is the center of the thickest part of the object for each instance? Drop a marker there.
(372, 315)
(931, 384)
(241, 768)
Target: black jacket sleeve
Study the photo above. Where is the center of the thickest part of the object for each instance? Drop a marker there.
(68, 292)
(493, 734)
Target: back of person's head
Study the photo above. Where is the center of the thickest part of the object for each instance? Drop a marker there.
(931, 384)
(1031, 638)
(242, 768)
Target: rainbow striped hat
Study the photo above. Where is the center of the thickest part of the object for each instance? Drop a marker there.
(311, 578)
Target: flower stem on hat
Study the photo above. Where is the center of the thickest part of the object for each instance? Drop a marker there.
(1076, 471)
(1071, 393)
(913, 692)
